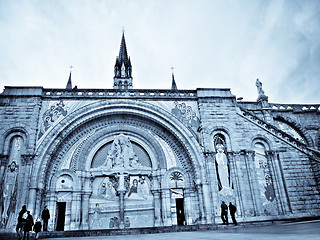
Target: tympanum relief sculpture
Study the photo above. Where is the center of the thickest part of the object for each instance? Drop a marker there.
(121, 186)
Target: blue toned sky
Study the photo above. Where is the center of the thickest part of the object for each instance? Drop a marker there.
(210, 44)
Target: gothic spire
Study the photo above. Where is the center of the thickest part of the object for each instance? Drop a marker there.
(69, 84)
(123, 68)
(123, 55)
(173, 85)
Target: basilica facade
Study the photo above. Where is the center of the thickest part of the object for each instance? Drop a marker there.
(129, 158)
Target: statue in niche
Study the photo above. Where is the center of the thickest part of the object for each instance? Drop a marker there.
(121, 155)
(222, 165)
(9, 188)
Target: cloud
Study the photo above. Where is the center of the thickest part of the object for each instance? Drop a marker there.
(225, 44)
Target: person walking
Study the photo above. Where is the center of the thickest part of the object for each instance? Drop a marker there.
(28, 226)
(224, 213)
(45, 217)
(233, 209)
(21, 221)
(37, 229)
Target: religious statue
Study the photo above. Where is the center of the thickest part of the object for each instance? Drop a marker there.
(139, 189)
(261, 96)
(134, 187)
(222, 165)
(107, 190)
(143, 189)
(121, 155)
(9, 188)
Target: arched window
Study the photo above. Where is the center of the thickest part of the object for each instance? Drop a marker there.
(222, 163)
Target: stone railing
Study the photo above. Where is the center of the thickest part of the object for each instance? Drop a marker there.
(295, 107)
(116, 93)
(281, 107)
(302, 147)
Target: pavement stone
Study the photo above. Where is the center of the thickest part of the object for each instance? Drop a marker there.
(284, 231)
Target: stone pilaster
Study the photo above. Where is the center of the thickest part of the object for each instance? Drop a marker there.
(27, 194)
(201, 202)
(189, 206)
(245, 183)
(52, 201)
(212, 183)
(207, 202)
(87, 180)
(166, 208)
(253, 182)
(233, 158)
(157, 208)
(85, 211)
(75, 210)
(278, 182)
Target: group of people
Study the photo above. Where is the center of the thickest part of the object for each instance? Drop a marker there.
(26, 223)
(224, 213)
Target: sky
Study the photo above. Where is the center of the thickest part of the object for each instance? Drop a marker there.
(210, 44)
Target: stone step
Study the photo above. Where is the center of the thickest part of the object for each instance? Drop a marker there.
(150, 230)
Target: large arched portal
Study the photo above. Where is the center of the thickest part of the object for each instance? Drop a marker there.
(108, 165)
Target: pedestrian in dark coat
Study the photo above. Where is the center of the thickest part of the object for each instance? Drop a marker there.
(45, 217)
(37, 229)
(21, 221)
(233, 209)
(28, 226)
(224, 213)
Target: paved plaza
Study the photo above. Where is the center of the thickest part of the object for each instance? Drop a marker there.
(289, 231)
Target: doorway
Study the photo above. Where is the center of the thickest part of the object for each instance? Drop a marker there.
(61, 214)
(180, 211)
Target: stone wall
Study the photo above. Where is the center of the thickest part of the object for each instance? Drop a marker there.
(281, 182)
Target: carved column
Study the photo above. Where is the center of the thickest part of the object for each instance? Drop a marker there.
(121, 191)
(121, 207)
(200, 198)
